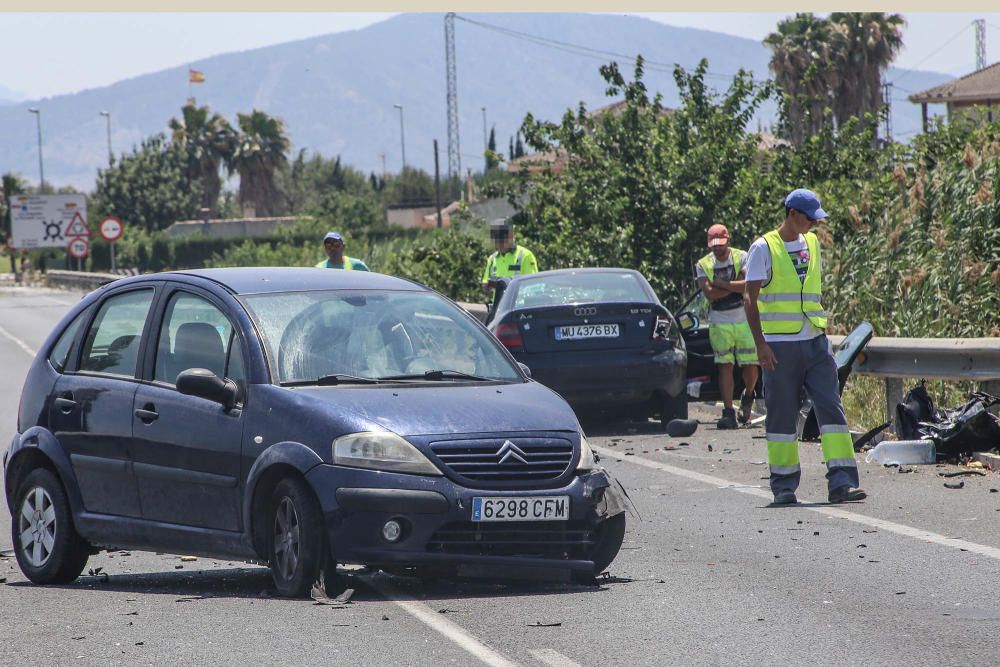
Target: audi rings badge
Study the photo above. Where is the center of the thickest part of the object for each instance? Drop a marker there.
(584, 312)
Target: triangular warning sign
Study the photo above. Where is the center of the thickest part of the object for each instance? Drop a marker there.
(77, 227)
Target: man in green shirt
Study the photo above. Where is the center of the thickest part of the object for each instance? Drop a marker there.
(333, 245)
(510, 259)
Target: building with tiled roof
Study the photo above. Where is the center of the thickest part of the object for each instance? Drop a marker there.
(974, 97)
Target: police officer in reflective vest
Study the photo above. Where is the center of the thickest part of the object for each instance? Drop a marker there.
(333, 246)
(783, 302)
(510, 259)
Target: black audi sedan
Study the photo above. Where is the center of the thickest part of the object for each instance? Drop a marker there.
(299, 418)
(599, 337)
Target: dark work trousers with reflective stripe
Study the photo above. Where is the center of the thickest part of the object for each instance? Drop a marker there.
(808, 364)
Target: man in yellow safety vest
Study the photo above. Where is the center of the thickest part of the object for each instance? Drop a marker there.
(510, 259)
(333, 246)
(721, 277)
(783, 303)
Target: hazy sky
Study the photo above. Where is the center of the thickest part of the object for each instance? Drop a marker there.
(64, 53)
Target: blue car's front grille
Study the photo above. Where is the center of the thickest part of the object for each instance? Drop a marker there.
(539, 539)
(499, 460)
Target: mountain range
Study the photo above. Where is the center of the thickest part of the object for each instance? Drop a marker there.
(336, 92)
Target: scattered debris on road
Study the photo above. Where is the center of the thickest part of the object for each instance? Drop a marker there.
(188, 559)
(959, 485)
(682, 428)
(539, 624)
(956, 432)
(963, 473)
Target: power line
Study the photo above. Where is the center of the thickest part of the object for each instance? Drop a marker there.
(580, 50)
(938, 50)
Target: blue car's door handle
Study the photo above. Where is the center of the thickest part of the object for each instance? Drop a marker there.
(147, 416)
(65, 404)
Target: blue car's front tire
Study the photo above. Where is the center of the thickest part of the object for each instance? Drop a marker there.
(296, 542)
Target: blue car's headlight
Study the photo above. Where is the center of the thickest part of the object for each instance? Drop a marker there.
(587, 459)
(381, 450)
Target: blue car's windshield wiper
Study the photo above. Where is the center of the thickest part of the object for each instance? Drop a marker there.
(333, 378)
(438, 375)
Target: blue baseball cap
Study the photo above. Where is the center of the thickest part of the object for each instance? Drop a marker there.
(333, 236)
(807, 202)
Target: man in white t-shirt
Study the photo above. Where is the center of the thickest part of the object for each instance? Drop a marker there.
(720, 275)
(784, 310)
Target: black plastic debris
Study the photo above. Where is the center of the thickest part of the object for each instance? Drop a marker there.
(539, 624)
(682, 428)
(949, 485)
(960, 431)
(962, 473)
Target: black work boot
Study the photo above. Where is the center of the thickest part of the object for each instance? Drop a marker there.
(845, 494)
(746, 403)
(728, 420)
(785, 498)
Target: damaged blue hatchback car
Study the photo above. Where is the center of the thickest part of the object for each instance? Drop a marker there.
(299, 418)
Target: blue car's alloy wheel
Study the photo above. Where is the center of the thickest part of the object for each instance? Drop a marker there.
(46, 545)
(296, 538)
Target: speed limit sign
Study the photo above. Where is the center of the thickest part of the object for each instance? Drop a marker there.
(78, 248)
(111, 229)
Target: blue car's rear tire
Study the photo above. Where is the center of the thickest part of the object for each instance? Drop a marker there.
(47, 547)
(296, 549)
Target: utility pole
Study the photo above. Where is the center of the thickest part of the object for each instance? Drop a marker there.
(454, 153)
(41, 169)
(486, 144)
(402, 134)
(437, 184)
(111, 154)
(887, 99)
(980, 43)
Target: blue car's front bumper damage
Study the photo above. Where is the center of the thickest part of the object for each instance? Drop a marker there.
(436, 514)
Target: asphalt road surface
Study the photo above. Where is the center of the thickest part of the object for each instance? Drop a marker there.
(709, 574)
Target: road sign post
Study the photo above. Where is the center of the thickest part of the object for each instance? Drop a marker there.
(79, 248)
(111, 229)
(43, 221)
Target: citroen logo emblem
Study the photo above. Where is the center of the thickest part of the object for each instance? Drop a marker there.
(509, 452)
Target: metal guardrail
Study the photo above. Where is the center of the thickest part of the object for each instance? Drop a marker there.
(971, 359)
(78, 280)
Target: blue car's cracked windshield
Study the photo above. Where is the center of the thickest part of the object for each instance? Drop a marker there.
(355, 336)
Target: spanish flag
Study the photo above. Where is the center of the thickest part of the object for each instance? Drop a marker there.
(194, 76)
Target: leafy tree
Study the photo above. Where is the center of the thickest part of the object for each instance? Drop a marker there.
(412, 187)
(306, 181)
(208, 141)
(518, 147)
(13, 184)
(148, 188)
(640, 187)
(510, 150)
(258, 156)
(345, 211)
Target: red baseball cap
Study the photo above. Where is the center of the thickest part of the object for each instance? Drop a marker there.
(718, 235)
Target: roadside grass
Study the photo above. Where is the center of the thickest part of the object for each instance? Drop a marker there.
(864, 398)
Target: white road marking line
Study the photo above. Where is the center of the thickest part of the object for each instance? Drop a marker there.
(827, 510)
(552, 658)
(17, 341)
(439, 623)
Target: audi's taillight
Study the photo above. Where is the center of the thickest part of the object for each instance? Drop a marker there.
(666, 330)
(510, 336)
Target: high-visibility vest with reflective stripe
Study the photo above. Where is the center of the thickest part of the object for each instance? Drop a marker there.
(786, 302)
(508, 273)
(325, 264)
(707, 263)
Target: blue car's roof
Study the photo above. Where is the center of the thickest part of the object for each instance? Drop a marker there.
(254, 280)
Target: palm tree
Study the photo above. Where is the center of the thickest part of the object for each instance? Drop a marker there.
(801, 61)
(208, 140)
(259, 154)
(865, 44)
